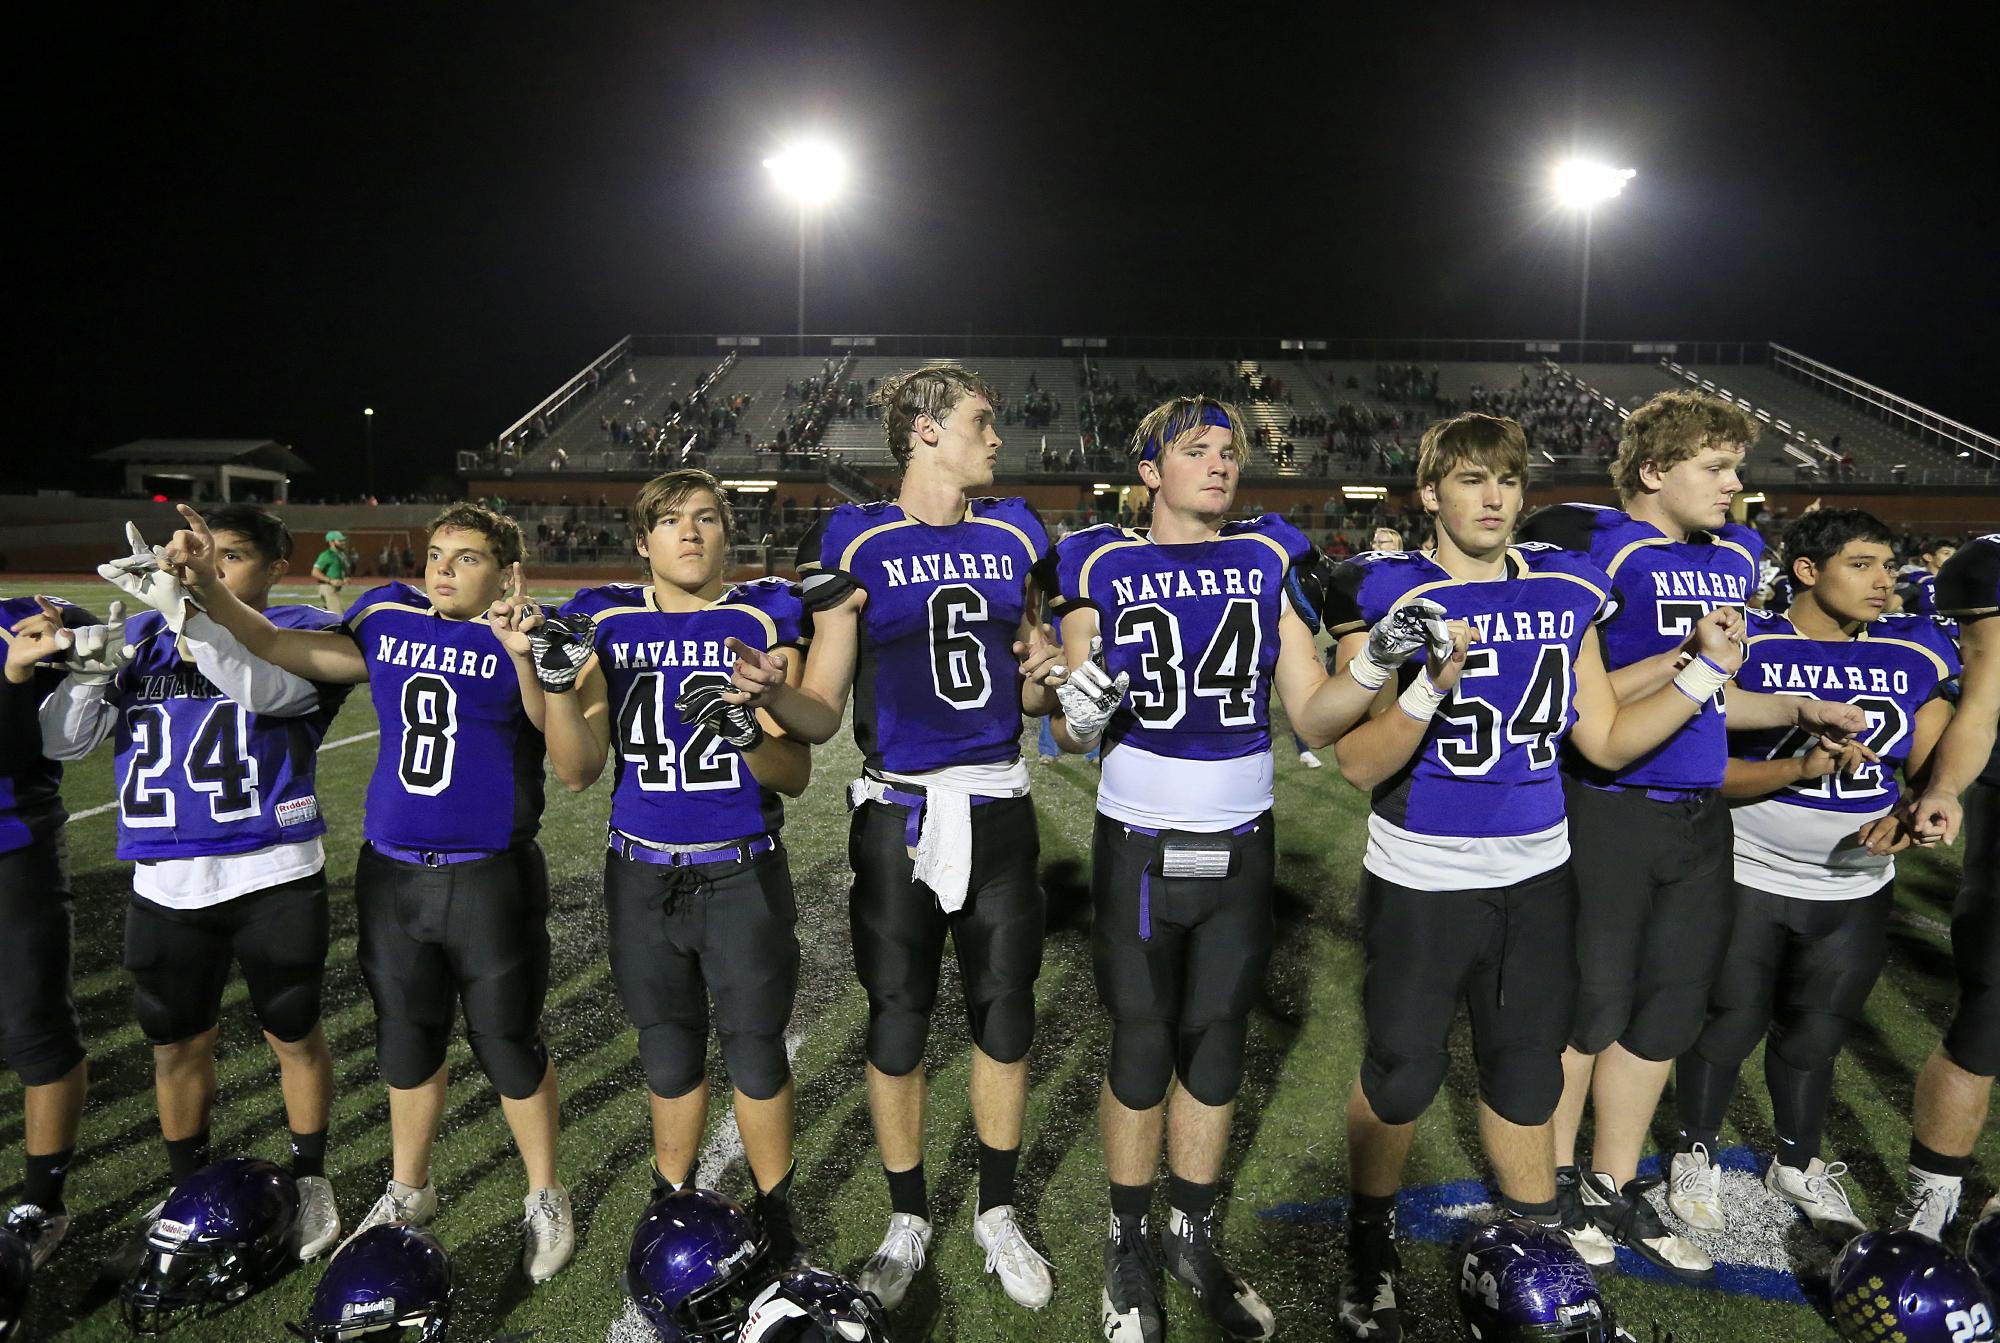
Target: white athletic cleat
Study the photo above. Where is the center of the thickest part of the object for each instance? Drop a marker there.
(897, 1260)
(318, 1226)
(1929, 1203)
(1024, 1273)
(1309, 760)
(41, 1229)
(1629, 1218)
(1817, 1191)
(1992, 1206)
(1694, 1190)
(1591, 1245)
(548, 1233)
(399, 1203)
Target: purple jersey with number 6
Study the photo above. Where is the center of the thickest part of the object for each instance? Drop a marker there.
(198, 774)
(936, 682)
(459, 769)
(676, 783)
(1487, 765)
(1662, 587)
(1195, 626)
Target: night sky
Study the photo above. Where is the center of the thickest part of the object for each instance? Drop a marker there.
(255, 220)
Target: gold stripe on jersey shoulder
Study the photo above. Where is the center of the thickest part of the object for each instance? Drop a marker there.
(370, 610)
(1026, 544)
(1526, 572)
(1943, 668)
(605, 615)
(763, 618)
(1284, 556)
(1740, 549)
(847, 555)
(1083, 575)
(1611, 569)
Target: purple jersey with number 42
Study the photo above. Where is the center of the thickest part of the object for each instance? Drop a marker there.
(936, 682)
(676, 783)
(1195, 626)
(459, 769)
(1662, 587)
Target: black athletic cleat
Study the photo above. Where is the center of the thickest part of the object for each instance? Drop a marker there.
(1195, 1258)
(1630, 1219)
(1133, 1312)
(1368, 1308)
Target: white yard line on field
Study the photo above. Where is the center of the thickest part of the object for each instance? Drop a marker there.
(89, 812)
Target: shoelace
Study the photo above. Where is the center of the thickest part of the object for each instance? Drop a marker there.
(903, 1245)
(1009, 1240)
(1137, 1267)
(1704, 1179)
(1828, 1181)
(1922, 1195)
(545, 1223)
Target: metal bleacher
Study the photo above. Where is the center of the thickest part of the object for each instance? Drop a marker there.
(1874, 446)
(860, 440)
(643, 393)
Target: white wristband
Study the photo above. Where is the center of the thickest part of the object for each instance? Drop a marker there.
(1700, 680)
(1420, 701)
(1370, 674)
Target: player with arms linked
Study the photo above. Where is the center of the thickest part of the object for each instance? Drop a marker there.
(1814, 877)
(40, 1036)
(1652, 857)
(1175, 638)
(218, 815)
(696, 883)
(921, 610)
(1466, 889)
(1955, 1085)
(451, 890)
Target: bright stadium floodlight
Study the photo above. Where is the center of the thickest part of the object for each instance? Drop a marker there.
(1583, 185)
(811, 173)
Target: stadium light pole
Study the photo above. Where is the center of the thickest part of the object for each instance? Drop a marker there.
(368, 447)
(1583, 185)
(810, 172)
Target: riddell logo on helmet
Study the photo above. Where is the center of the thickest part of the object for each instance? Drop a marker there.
(380, 1308)
(171, 1233)
(1568, 1315)
(736, 1256)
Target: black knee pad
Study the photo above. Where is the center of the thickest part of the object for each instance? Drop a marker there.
(1811, 1042)
(1973, 1038)
(1142, 1063)
(408, 1054)
(515, 1064)
(896, 1039)
(43, 1053)
(1522, 1086)
(1004, 1027)
(1603, 1011)
(758, 1065)
(1666, 1025)
(1210, 1060)
(165, 1023)
(291, 1012)
(675, 1059)
(1400, 1087)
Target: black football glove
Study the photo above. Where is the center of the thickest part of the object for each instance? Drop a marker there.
(735, 723)
(560, 646)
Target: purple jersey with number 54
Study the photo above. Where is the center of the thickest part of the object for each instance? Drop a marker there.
(676, 783)
(1195, 626)
(459, 769)
(936, 682)
(1662, 588)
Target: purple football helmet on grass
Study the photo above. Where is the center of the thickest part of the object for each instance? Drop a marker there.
(810, 1305)
(1519, 1282)
(387, 1280)
(1900, 1284)
(224, 1232)
(692, 1253)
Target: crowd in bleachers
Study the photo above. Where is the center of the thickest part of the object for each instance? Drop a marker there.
(1557, 417)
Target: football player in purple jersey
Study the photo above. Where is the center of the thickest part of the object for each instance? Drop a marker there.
(1955, 1086)
(1813, 873)
(217, 812)
(1652, 847)
(922, 611)
(40, 1037)
(697, 886)
(1175, 638)
(1466, 889)
(451, 890)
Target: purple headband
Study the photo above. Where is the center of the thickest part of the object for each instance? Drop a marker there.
(1211, 414)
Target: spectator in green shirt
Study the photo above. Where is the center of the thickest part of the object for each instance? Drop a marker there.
(330, 572)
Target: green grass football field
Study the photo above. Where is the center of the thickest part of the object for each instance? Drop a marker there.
(1287, 1162)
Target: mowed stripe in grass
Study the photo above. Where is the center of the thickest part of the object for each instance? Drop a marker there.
(1305, 1044)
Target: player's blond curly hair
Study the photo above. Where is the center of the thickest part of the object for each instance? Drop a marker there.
(663, 493)
(931, 390)
(502, 533)
(1674, 426)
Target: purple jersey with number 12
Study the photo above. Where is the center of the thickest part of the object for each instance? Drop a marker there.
(459, 769)
(936, 682)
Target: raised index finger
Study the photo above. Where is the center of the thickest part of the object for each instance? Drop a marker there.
(196, 523)
(514, 581)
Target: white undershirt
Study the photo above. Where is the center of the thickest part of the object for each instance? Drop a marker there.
(1160, 792)
(1455, 863)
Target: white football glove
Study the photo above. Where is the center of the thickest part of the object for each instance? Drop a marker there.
(1091, 695)
(95, 654)
(1417, 626)
(561, 645)
(143, 576)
